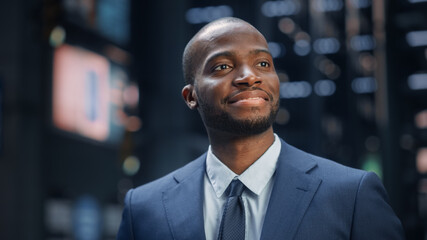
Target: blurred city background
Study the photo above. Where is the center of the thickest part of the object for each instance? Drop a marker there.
(90, 100)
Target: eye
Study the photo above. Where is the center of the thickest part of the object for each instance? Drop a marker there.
(221, 67)
(263, 64)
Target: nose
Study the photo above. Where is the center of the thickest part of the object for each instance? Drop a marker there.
(247, 78)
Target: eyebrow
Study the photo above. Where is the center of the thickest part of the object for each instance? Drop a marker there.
(220, 54)
(257, 51)
(231, 54)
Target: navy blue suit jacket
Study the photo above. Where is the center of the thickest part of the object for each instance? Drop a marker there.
(312, 198)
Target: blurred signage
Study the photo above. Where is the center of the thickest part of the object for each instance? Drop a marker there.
(90, 94)
(80, 92)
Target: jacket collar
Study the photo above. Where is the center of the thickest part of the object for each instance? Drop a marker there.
(292, 193)
(184, 202)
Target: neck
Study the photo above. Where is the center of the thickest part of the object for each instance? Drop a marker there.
(240, 152)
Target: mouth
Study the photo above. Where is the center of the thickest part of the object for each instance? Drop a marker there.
(252, 97)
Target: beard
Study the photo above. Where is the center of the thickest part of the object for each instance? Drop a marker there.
(218, 119)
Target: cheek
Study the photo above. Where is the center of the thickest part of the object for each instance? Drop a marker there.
(275, 85)
(211, 90)
(277, 88)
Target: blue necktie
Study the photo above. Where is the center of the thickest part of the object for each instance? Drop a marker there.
(233, 219)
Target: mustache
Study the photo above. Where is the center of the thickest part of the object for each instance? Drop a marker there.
(270, 96)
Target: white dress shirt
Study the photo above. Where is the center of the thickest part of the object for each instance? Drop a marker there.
(258, 179)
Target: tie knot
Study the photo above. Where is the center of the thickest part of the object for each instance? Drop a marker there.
(236, 188)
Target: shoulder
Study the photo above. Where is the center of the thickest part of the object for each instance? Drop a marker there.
(155, 188)
(339, 184)
(316, 165)
(334, 176)
(143, 215)
(352, 199)
(346, 180)
(327, 168)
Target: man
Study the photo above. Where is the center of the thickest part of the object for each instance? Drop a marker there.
(282, 192)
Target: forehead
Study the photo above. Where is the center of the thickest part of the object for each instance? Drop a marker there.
(226, 28)
(230, 37)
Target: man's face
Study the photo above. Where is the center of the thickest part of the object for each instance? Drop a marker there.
(236, 86)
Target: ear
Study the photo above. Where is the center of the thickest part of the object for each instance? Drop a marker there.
(190, 96)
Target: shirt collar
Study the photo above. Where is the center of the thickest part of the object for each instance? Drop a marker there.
(255, 178)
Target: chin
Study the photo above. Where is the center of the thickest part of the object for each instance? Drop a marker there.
(244, 122)
(243, 126)
(251, 114)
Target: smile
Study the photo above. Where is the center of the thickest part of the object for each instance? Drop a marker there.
(249, 97)
(253, 98)
(250, 102)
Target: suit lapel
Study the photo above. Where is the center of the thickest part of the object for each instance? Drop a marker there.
(184, 202)
(292, 193)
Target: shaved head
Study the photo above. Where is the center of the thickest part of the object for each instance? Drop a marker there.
(192, 54)
(231, 79)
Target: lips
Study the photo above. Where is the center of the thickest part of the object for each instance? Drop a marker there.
(250, 97)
